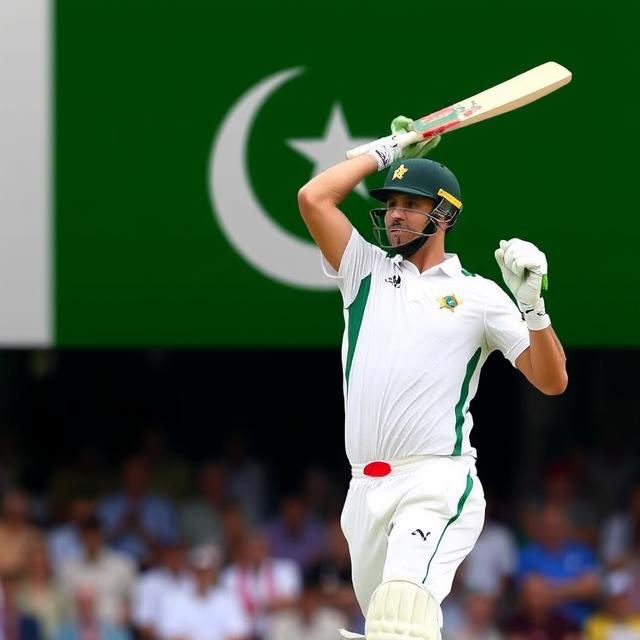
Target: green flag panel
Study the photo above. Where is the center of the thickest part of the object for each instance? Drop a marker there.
(184, 128)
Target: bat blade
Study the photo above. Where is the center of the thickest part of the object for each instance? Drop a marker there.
(504, 97)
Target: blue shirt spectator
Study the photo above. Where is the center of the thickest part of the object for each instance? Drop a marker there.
(134, 521)
(64, 540)
(569, 569)
(296, 534)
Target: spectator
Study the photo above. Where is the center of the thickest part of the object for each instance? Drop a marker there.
(493, 560)
(247, 478)
(321, 494)
(87, 624)
(154, 588)
(479, 618)
(17, 535)
(536, 619)
(14, 624)
(135, 521)
(567, 569)
(262, 584)
(310, 619)
(64, 540)
(234, 533)
(332, 573)
(168, 474)
(616, 620)
(39, 596)
(109, 573)
(620, 538)
(296, 534)
(560, 491)
(201, 518)
(206, 611)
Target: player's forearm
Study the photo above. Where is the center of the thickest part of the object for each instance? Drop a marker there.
(548, 362)
(334, 184)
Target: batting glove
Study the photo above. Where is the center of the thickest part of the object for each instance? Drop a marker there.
(396, 146)
(524, 269)
(402, 124)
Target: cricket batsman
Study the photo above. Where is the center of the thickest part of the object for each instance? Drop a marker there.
(418, 329)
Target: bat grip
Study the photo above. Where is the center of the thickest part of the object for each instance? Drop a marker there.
(404, 140)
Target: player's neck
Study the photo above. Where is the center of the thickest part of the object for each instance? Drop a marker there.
(430, 254)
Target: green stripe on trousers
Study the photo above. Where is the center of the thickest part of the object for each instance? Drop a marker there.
(463, 499)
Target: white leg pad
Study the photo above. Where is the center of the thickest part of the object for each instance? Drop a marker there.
(350, 635)
(402, 610)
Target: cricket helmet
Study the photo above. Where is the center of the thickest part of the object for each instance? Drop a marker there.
(422, 177)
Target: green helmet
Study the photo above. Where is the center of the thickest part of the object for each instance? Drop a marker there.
(422, 177)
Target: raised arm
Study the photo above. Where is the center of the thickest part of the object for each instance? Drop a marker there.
(524, 269)
(318, 201)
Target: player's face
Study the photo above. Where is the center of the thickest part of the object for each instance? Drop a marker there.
(406, 213)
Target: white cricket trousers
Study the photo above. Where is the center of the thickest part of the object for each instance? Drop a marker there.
(417, 523)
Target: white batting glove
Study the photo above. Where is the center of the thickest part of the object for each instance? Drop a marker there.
(524, 269)
(387, 150)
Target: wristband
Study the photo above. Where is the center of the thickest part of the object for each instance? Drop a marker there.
(535, 315)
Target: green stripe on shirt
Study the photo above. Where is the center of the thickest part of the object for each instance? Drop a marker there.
(464, 394)
(356, 311)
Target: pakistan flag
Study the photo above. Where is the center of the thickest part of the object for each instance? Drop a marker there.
(151, 153)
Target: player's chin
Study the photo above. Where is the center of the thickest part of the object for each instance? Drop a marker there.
(395, 236)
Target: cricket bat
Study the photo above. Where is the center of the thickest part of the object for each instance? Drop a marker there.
(502, 98)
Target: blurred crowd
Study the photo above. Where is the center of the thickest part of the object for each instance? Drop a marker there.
(158, 548)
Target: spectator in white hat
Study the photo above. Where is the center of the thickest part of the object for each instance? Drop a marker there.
(205, 611)
(156, 587)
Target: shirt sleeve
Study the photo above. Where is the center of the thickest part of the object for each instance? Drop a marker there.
(356, 264)
(504, 327)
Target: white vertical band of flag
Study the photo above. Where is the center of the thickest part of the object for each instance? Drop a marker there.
(25, 159)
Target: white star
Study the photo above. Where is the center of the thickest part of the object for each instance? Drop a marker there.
(331, 148)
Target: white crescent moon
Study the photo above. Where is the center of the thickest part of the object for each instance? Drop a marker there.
(266, 246)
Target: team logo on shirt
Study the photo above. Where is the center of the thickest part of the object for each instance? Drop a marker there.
(449, 302)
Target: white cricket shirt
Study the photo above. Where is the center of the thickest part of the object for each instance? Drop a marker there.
(152, 590)
(413, 347)
(217, 615)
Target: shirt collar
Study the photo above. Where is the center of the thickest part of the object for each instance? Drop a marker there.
(450, 266)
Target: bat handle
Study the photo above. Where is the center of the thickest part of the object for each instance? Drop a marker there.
(404, 140)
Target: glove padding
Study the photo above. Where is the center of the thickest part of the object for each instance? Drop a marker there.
(388, 150)
(524, 269)
(402, 124)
